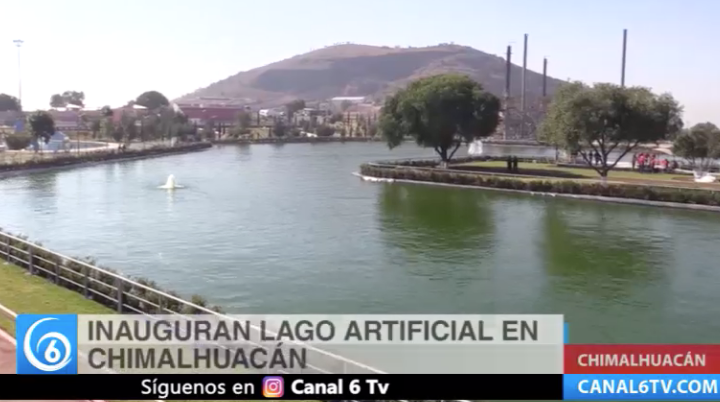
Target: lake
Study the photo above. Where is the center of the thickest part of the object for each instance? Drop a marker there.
(288, 229)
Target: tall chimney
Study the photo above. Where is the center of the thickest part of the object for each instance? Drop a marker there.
(624, 53)
(508, 64)
(544, 92)
(524, 74)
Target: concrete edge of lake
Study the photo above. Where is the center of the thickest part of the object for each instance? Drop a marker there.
(92, 159)
(615, 200)
(323, 140)
(294, 140)
(690, 199)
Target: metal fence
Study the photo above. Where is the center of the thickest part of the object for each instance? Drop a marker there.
(133, 297)
(112, 289)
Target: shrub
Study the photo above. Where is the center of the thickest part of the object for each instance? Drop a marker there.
(650, 193)
(17, 142)
(325, 131)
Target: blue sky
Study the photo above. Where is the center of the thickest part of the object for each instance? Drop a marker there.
(116, 49)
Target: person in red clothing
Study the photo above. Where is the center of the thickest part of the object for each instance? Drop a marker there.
(641, 162)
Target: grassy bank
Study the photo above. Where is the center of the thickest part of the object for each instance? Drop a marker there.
(24, 293)
(550, 170)
(669, 193)
(69, 159)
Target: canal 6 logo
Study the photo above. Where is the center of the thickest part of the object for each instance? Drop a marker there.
(47, 344)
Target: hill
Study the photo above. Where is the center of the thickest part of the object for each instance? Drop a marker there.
(361, 70)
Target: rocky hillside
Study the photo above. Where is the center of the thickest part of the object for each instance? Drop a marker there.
(359, 70)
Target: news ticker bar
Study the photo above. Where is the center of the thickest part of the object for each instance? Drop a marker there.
(363, 387)
(286, 387)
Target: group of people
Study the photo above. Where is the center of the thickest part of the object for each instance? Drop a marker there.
(649, 163)
(642, 162)
(512, 164)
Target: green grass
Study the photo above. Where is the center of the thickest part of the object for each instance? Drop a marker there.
(585, 172)
(23, 293)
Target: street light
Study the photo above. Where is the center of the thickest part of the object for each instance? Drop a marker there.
(18, 43)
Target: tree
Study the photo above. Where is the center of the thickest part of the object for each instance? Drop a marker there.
(74, 98)
(150, 127)
(108, 129)
(700, 146)
(57, 101)
(279, 129)
(372, 130)
(116, 132)
(68, 98)
(128, 127)
(106, 111)
(152, 100)
(607, 118)
(345, 105)
(244, 120)
(9, 103)
(441, 112)
(336, 118)
(42, 125)
(293, 107)
(325, 131)
(95, 127)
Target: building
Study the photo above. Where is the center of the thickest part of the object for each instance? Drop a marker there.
(353, 100)
(277, 112)
(67, 120)
(11, 118)
(216, 102)
(201, 115)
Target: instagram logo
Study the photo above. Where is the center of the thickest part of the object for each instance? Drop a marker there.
(273, 387)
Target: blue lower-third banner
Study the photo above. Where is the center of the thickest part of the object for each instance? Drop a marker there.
(608, 387)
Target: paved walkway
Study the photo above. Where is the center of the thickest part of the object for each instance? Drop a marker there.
(7, 358)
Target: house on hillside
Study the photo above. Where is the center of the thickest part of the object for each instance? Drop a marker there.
(219, 102)
(338, 101)
(219, 115)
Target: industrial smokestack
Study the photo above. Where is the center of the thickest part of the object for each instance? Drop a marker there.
(508, 64)
(544, 92)
(524, 74)
(624, 54)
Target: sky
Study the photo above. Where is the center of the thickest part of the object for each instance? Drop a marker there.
(113, 50)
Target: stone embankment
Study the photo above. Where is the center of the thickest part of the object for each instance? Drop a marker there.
(295, 140)
(62, 160)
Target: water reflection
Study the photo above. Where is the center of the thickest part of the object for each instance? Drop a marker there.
(170, 199)
(243, 149)
(450, 228)
(604, 254)
(42, 184)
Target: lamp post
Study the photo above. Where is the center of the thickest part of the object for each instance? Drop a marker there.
(18, 43)
(624, 56)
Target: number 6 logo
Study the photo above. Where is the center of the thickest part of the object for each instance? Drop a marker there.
(52, 355)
